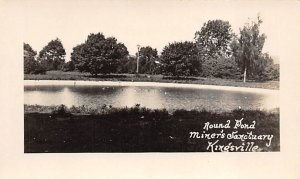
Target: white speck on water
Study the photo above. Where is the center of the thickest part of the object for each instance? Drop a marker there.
(171, 137)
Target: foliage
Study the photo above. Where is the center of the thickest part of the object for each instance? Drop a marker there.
(247, 49)
(61, 110)
(220, 67)
(266, 69)
(214, 39)
(275, 72)
(149, 62)
(29, 59)
(31, 65)
(147, 58)
(52, 56)
(217, 52)
(69, 66)
(127, 65)
(181, 59)
(98, 54)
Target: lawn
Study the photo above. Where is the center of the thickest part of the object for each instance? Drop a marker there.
(59, 75)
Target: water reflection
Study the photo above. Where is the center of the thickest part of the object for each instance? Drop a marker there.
(53, 96)
(146, 96)
(151, 97)
(46, 88)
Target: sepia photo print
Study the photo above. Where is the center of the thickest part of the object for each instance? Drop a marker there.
(171, 76)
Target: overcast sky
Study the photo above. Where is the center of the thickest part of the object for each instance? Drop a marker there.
(143, 22)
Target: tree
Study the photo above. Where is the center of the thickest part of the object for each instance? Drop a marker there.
(29, 59)
(214, 39)
(266, 69)
(69, 66)
(147, 58)
(98, 54)
(52, 56)
(127, 65)
(31, 65)
(181, 59)
(220, 67)
(247, 49)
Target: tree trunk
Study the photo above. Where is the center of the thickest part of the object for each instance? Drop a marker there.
(245, 74)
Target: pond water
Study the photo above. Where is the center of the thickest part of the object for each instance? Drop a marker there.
(152, 97)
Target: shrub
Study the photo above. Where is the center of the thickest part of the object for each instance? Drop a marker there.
(181, 59)
(220, 67)
(61, 110)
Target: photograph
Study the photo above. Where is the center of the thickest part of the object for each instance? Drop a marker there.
(129, 77)
(149, 89)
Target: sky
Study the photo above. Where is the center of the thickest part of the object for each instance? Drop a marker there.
(147, 23)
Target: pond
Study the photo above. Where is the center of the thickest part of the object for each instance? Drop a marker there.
(154, 97)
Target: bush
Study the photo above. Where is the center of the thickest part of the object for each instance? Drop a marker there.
(61, 110)
(69, 66)
(181, 59)
(98, 55)
(31, 65)
(266, 70)
(220, 67)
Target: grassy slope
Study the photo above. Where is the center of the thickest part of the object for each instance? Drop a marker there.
(59, 75)
(136, 130)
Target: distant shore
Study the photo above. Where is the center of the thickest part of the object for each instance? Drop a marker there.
(52, 77)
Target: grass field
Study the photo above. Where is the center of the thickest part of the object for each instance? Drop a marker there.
(136, 129)
(59, 75)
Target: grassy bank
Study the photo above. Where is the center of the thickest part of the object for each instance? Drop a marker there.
(59, 75)
(136, 129)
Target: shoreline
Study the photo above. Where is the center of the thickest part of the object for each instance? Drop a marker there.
(86, 110)
(147, 84)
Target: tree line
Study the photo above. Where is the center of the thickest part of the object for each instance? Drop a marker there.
(215, 52)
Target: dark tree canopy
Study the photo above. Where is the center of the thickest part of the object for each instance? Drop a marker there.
(266, 69)
(52, 56)
(181, 59)
(29, 53)
(30, 63)
(148, 52)
(147, 58)
(220, 67)
(98, 54)
(247, 49)
(127, 65)
(214, 38)
(69, 66)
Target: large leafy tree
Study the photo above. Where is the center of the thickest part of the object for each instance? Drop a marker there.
(220, 67)
(147, 59)
(31, 65)
(181, 59)
(266, 69)
(247, 48)
(52, 56)
(213, 40)
(127, 65)
(98, 54)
